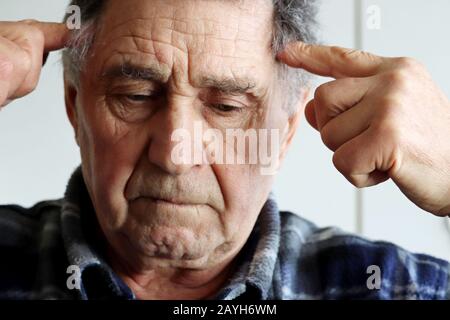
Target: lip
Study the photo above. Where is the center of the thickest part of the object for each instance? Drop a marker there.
(165, 202)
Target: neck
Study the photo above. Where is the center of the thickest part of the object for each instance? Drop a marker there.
(166, 283)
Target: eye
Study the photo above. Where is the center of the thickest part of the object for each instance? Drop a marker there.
(139, 97)
(226, 108)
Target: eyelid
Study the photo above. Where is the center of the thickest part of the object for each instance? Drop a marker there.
(146, 97)
(231, 104)
(133, 86)
(130, 96)
(226, 100)
(233, 108)
(127, 93)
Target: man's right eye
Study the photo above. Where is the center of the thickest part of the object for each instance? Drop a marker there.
(138, 97)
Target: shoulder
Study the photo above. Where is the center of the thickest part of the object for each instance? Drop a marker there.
(20, 225)
(26, 234)
(331, 263)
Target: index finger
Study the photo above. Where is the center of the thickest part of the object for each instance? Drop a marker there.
(331, 61)
(56, 35)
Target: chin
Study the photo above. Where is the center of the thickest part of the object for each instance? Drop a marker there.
(181, 247)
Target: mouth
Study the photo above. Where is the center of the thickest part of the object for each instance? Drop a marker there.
(165, 202)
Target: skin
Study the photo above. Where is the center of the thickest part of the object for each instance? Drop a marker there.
(173, 231)
(384, 118)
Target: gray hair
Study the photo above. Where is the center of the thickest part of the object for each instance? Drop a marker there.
(294, 20)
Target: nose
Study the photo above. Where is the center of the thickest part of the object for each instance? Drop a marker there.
(173, 131)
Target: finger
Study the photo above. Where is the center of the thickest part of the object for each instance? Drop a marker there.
(6, 69)
(347, 125)
(27, 61)
(56, 35)
(365, 160)
(26, 57)
(329, 61)
(336, 97)
(310, 114)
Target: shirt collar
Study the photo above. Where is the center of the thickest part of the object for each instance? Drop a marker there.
(85, 248)
(256, 262)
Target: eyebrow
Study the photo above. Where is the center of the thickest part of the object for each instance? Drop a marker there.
(155, 73)
(136, 72)
(228, 85)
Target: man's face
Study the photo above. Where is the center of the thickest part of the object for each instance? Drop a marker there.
(187, 62)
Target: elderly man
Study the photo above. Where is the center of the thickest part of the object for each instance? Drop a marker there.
(137, 224)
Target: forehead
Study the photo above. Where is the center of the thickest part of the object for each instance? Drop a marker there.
(230, 37)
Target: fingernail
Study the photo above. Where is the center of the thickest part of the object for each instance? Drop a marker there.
(281, 54)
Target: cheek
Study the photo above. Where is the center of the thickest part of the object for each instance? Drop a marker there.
(110, 150)
(245, 191)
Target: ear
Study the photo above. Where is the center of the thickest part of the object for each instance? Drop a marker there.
(70, 97)
(293, 122)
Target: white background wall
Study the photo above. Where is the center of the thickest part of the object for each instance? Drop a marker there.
(38, 153)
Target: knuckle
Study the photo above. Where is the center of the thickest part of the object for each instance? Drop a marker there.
(322, 93)
(406, 70)
(408, 63)
(34, 35)
(342, 164)
(327, 140)
(398, 79)
(388, 104)
(29, 21)
(329, 137)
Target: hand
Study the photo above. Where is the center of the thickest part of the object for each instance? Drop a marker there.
(383, 118)
(23, 46)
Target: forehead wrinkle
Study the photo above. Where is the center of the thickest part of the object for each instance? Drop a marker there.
(151, 36)
(147, 43)
(224, 37)
(212, 27)
(232, 27)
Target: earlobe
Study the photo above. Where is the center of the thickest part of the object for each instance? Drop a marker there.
(70, 97)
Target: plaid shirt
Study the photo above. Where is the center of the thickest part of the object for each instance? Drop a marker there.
(285, 257)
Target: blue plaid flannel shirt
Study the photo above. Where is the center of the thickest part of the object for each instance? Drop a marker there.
(285, 257)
